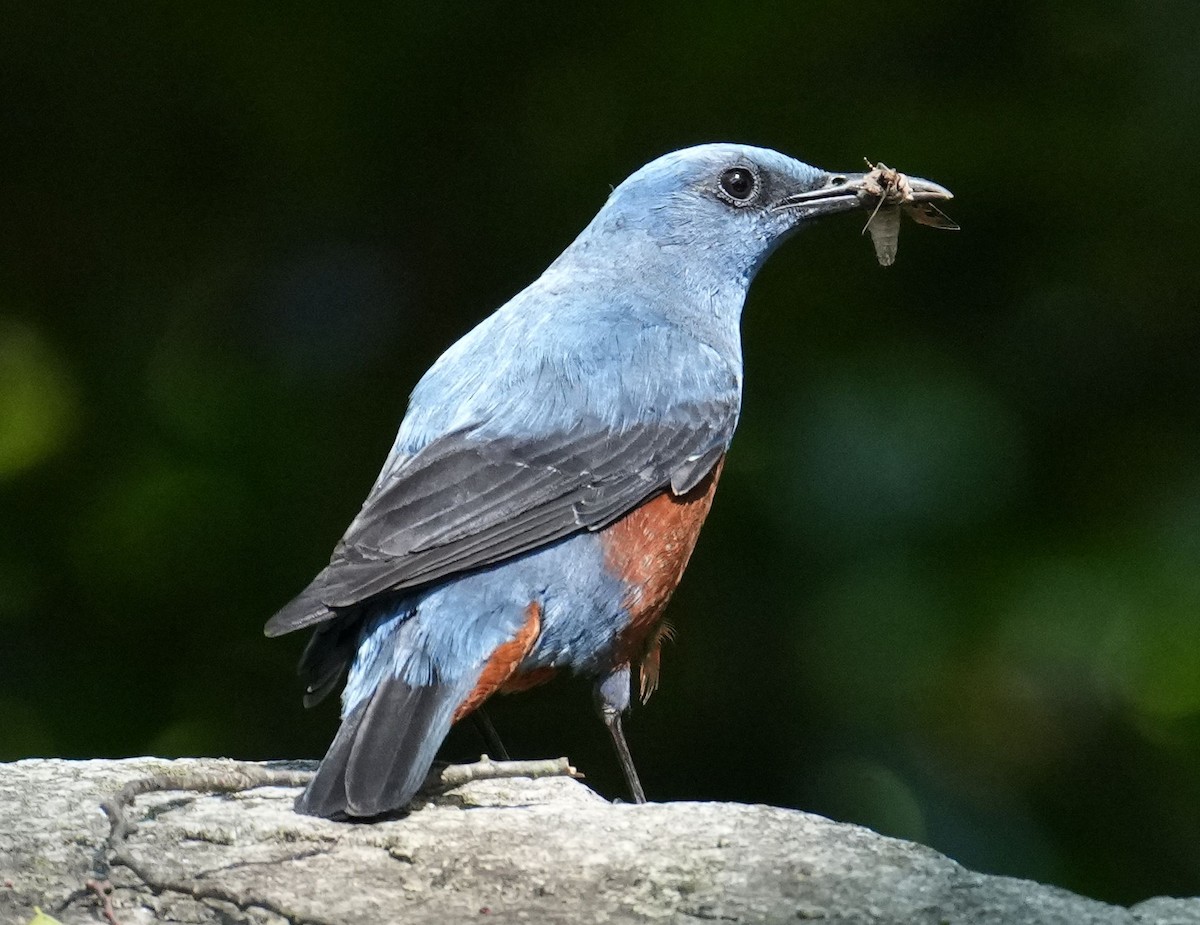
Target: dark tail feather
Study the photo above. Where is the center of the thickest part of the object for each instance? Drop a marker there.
(325, 794)
(329, 650)
(384, 749)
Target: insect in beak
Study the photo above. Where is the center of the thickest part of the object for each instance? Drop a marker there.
(896, 192)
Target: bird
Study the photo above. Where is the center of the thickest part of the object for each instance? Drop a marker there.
(551, 475)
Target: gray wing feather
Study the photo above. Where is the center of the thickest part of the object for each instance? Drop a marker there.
(463, 503)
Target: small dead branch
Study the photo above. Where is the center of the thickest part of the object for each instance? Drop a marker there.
(450, 776)
(235, 780)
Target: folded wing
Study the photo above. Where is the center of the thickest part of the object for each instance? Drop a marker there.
(465, 501)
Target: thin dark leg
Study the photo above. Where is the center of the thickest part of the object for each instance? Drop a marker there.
(487, 732)
(613, 722)
(612, 699)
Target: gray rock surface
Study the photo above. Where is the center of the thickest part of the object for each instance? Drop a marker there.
(491, 851)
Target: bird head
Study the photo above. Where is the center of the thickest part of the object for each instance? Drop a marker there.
(726, 207)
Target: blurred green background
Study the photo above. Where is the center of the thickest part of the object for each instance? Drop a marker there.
(949, 588)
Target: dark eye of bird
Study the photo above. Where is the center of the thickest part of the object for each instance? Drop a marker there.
(737, 183)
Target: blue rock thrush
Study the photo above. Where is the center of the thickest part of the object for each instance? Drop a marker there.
(551, 476)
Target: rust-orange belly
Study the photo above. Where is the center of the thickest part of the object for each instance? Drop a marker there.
(648, 549)
(504, 662)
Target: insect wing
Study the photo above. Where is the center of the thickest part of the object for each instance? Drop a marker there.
(926, 213)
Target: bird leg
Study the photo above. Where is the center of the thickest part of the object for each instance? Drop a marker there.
(611, 696)
(487, 732)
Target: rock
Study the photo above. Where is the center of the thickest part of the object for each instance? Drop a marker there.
(541, 851)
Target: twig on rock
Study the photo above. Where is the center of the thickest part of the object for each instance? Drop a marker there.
(247, 777)
(231, 780)
(235, 780)
(447, 777)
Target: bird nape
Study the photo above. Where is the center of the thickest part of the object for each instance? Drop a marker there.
(552, 473)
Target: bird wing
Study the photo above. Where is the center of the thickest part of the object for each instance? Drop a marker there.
(463, 502)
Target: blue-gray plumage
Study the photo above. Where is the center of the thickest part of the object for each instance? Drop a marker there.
(550, 477)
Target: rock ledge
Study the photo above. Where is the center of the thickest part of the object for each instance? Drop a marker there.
(544, 851)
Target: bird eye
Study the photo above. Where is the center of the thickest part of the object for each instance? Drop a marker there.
(738, 183)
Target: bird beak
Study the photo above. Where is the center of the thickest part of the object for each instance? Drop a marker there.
(843, 192)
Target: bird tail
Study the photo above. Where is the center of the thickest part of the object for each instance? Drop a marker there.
(327, 655)
(384, 749)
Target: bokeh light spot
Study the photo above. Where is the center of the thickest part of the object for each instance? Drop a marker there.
(902, 447)
(867, 793)
(875, 640)
(160, 532)
(37, 399)
(1160, 662)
